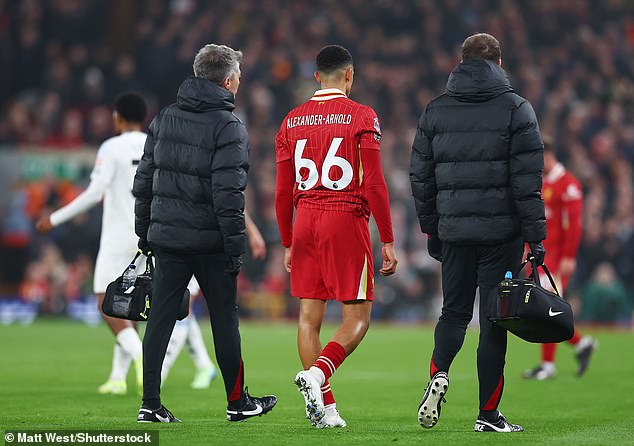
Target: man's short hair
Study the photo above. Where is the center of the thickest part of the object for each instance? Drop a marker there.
(131, 106)
(333, 57)
(216, 63)
(481, 46)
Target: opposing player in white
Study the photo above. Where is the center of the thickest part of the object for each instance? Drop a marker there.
(188, 332)
(111, 180)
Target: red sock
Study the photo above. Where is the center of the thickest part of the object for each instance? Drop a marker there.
(330, 359)
(575, 338)
(432, 368)
(329, 398)
(548, 352)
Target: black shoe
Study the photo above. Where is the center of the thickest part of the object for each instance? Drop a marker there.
(583, 356)
(162, 415)
(250, 406)
(501, 425)
(430, 405)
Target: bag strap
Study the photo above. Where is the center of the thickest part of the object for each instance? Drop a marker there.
(132, 262)
(535, 274)
(149, 265)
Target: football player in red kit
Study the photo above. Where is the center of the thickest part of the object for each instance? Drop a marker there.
(329, 169)
(563, 200)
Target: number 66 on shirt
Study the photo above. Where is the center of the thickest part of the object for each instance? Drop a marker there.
(330, 161)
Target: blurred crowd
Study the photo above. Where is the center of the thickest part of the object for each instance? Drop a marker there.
(65, 60)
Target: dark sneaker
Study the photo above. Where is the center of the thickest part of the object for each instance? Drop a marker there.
(147, 415)
(540, 373)
(501, 425)
(250, 406)
(430, 405)
(584, 353)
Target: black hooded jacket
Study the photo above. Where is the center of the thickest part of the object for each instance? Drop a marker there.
(189, 186)
(477, 161)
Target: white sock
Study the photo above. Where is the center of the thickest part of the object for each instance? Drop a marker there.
(583, 343)
(548, 367)
(175, 346)
(120, 364)
(130, 342)
(331, 407)
(197, 348)
(321, 378)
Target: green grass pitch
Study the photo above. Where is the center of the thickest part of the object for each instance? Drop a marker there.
(49, 373)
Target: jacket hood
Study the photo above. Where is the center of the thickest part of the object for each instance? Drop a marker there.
(200, 95)
(477, 80)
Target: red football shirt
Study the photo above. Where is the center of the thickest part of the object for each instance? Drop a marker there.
(563, 201)
(323, 139)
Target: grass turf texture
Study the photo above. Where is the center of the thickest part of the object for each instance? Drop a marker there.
(49, 373)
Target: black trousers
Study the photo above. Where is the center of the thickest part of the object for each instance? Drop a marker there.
(171, 276)
(464, 268)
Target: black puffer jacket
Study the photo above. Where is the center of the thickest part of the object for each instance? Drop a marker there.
(477, 161)
(189, 185)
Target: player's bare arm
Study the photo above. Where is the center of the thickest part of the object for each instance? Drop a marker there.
(255, 239)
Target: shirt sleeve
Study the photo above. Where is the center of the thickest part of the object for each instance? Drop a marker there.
(100, 179)
(571, 218)
(143, 179)
(526, 164)
(284, 186)
(369, 130)
(282, 150)
(422, 177)
(373, 178)
(229, 168)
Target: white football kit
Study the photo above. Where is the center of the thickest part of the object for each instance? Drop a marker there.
(111, 180)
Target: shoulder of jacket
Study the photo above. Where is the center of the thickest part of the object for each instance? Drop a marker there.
(439, 100)
(167, 109)
(230, 122)
(235, 118)
(515, 99)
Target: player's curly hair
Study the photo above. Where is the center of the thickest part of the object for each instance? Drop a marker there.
(481, 46)
(333, 57)
(131, 106)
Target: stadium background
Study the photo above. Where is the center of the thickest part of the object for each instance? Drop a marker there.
(63, 62)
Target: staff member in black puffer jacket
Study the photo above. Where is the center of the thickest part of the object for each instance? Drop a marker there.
(189, 190)
(476, 174)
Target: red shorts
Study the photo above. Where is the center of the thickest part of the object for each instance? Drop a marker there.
(331, 256)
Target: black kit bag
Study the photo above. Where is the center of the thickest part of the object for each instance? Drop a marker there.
(134, 304)
(529, 311)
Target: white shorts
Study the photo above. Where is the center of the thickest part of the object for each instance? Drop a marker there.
(110, 265)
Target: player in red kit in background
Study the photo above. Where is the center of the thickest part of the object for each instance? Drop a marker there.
(563, 200)
(329, 169)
